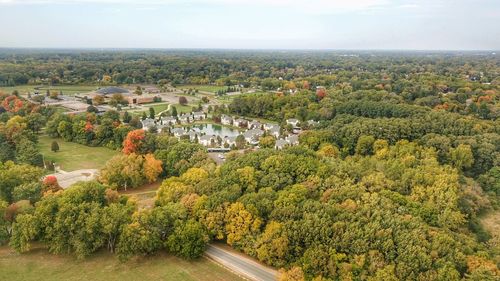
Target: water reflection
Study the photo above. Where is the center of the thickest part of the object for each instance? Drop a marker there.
(213, 129)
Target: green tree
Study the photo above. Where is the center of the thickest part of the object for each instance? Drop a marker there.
(54, 146)
(364, 145)
(189, 240)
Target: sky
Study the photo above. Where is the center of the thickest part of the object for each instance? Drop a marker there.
(252, 24)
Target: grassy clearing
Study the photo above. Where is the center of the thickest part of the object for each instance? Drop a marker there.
(66, 89)
(204, 88)
(73, 156)
(491, 222)
(38, 264)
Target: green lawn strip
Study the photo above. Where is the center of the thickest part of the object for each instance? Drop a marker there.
(73, 156)
(38, 264)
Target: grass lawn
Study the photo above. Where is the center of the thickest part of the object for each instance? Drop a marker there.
(39, 265)
(205, 88)
(184, 108)
(158, 107)
(66, 89)
(72, 156)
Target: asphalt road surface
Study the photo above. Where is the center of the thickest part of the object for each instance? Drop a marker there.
(241, 265)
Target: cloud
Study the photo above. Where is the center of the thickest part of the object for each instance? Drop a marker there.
(306, 6)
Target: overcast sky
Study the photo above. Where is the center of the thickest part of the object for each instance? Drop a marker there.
(252, 24)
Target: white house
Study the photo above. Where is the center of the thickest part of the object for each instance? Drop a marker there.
(292, 139)
(280, 144)
(207, 140)
(147, 123)
(275, 131)
(254, 125)
(168, 120)
(253, 136)
(178, 132)
(185, 118)
(294, 122)
(199, 115)
(230, 140)
(240, 122)
(226, 120)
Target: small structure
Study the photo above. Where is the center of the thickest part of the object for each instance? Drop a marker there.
(230, 141)
(240, 122)
(226, 120)
(178, 132)
(199, 115)
(168, 120)
(294, 122)
(292, 139)
(254, 125)
(275, 131)
(253, 136)
(312, 123)
(280, 144)
(147, 123)
(207, 140)
(185, 118)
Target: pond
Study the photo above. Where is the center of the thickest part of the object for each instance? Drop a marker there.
(213, 129)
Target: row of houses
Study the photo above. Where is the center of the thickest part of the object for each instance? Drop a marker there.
(271, 129)
(168, 121)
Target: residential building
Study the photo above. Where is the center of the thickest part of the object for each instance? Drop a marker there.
(294, 122)
(252, 136)
(240, 122)
(198, 115)
(226, 120)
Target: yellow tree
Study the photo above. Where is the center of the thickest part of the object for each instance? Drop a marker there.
(240, 223)
(152, 168)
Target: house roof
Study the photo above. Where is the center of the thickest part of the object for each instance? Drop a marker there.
(253, 132)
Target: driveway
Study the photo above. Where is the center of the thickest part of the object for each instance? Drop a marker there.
(66, 179)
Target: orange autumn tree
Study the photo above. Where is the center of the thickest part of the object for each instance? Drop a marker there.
(321, 93)
(133, 141)
(152, 168)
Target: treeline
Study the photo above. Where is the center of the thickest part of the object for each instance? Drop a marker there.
(408, 74)
(88, 217)
(394, 214)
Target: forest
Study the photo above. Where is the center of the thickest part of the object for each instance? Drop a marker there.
(391, 184)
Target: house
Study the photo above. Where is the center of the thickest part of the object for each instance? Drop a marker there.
(292, 139)
(199, 115)
(312, 123)
(294, 122)
(185, 118)
(280, 144)
(226, 120)
(207, 140)
(254, 125)
(162, 128)
(268, 126)
(168, 120)
(240, 122)
(275, 131)
(193, 135)
(147, 123)
(230, 141)
(178, 132)
(252, 136)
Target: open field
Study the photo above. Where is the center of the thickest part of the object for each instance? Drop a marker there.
(66, 89)
(38, 264)
(204, 88)
(72, 156)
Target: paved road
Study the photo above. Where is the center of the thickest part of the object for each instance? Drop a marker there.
(241, 265)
